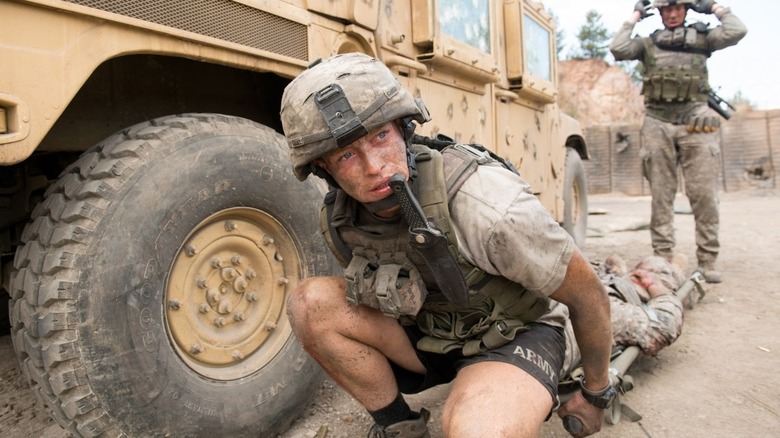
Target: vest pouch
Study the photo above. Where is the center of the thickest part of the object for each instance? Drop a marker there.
(400, 290)
(474, 330)
(360, 277)
(386, 282)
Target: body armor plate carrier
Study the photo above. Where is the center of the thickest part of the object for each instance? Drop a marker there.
(367, 246)
(685, 79)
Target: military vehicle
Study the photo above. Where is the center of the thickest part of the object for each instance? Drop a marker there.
(151, 226)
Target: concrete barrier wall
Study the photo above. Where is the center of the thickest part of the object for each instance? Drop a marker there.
(750, 148)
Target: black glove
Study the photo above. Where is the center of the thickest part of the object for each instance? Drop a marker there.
(644, 7)
(703, 6)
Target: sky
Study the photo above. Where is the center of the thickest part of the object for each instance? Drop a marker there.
(751, 67)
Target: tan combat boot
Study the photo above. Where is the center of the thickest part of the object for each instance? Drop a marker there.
(710, 274)
(417, 428)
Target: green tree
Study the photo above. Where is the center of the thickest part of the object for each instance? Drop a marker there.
(593, 37)
(632, 68)
(560, 35)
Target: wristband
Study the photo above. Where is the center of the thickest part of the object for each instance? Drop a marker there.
(600, 399)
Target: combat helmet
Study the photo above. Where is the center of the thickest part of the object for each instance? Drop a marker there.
(338, 100)
(664, 3)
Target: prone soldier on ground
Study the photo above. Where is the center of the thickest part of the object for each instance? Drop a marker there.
(454, 270)
(644, 309)
(678, 125)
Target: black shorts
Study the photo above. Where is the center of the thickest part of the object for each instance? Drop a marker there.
(538, 351)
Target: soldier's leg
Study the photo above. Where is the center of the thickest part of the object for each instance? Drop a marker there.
(700, 158)
(659, 165)
(508, 391)
(352, 343)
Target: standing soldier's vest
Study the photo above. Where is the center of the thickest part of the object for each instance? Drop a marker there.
(676, 65)
(366, 245)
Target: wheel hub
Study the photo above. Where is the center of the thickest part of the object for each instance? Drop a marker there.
(226, 293)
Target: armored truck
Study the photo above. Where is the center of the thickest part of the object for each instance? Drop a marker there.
(150, 224)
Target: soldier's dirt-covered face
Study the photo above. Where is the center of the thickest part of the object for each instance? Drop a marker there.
(363, 168)
(673, 15)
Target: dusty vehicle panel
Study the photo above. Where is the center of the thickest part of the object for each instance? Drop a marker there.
(151, 226)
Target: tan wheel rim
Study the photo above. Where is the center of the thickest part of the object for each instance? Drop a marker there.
(226, 293)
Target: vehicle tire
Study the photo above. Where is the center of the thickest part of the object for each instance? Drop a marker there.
(149, 296)
(5, 322)
(575, 198)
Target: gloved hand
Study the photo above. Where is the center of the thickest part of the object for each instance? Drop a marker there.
(703, 6)
(645, 8)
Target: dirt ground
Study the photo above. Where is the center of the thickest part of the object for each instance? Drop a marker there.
(717, 380)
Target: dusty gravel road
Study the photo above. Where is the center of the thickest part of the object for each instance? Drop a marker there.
(720, 379)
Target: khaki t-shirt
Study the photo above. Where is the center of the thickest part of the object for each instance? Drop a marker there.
(503, 229)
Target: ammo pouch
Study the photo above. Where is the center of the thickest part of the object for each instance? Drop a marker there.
(475, 330)
(687, 79)
(387, 282)
(673, 85)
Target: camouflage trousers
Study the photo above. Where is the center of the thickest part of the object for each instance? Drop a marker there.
(652, 326)
(665, 146)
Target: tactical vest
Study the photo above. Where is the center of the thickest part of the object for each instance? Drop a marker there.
(676, 65)
(499, 308)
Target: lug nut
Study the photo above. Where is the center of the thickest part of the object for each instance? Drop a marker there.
(228, 274)
(213, 296)
(239, 285)
(224, 307)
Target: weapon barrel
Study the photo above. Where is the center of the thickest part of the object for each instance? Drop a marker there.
(713, 100)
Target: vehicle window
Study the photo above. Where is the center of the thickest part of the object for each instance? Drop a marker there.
(466, 21)
(536, 40)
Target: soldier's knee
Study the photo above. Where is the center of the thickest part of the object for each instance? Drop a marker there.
(314, 296)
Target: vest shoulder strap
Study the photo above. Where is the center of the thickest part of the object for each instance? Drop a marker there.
(337, 246)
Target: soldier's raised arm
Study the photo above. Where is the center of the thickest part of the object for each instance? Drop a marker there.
(623, 47)
(731, 30)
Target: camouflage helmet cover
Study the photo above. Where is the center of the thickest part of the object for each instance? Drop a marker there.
(664, 3)
(338, 100)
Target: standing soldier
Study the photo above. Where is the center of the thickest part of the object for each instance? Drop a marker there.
(678, 126)
(451, 289)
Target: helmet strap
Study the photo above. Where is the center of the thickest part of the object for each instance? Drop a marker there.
(322, 173)
(407, 127)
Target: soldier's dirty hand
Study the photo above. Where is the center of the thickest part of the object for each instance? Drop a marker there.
(703, 6)
(645, 9)
(580, 418)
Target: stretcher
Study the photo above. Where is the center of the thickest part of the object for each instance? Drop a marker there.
(690, 292)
